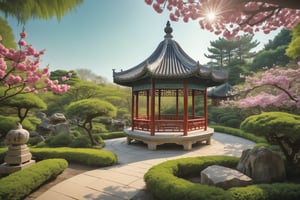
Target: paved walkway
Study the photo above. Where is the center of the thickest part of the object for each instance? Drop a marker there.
(123, 181)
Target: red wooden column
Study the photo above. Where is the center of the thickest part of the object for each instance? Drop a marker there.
(205, 109)
(137, 105)
(148, 104)
(159, 103)
(177, 103)
(185, 108)
(152, 117)
(193, 104)
(132, 111)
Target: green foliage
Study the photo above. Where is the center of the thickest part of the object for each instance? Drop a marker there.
(269, 58)
(225, 51)
(225, 116)
(239, 133)
(166, 181)
(99, 128)
(278, 128)
(3, 151)
(23, 103)
(8, 39)
(87, 108)
(7, 123)
(273, 122)
(82, 141)
(282, 38)
(84, 156)
(235, 71)
(66, 140)
(23, 10)
(275, 191)
(293, 49)
(60, 140)
(26, 101)
(20, 184)
(112, 135)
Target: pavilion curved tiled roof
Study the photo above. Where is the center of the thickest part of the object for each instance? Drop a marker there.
(168, 61)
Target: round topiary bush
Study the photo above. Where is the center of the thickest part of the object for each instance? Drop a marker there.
(167, 181)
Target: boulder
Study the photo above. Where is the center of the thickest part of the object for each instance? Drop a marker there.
(224, 177)
(59, 128)
(262, 165)
(57, 118)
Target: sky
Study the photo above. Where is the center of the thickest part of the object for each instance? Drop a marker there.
(112, 34)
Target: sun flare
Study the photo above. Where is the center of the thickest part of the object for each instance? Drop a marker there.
(211, 16)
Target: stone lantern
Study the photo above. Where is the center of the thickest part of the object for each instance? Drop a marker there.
(18, 156)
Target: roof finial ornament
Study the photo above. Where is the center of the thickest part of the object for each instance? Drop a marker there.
(168, 30)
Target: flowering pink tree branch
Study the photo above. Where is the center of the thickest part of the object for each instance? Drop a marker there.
(274, 87)
(229, 17)
(20, 72)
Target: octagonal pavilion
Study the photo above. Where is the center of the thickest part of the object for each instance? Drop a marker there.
(169, 73)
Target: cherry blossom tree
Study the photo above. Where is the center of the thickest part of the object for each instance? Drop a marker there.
(229, 17)
(20, 72)
(274, 87)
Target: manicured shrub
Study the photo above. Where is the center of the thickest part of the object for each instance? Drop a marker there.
(239, 133)
(20, 184)
(60, 140)
(90, 157)
(166, 181)
(81, 141)
(278, 128)
(111, 135)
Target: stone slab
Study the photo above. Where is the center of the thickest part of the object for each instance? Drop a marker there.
(224, 177)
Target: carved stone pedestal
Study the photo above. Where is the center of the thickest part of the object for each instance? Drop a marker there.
(18, 156)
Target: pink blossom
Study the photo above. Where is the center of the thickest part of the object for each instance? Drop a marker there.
(22, 42)
(2, 73)
(23, 34)
(64, 78)
(27, 89)
(45, 71)
(26, 71)
(233, 16)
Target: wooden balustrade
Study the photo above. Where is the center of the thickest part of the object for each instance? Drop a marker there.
(169, 123)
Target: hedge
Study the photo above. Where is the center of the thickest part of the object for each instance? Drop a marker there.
(239, 133)
(84, 156)
(20, 184)
(166, 181)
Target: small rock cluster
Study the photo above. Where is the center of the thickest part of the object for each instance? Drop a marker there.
(259, 165)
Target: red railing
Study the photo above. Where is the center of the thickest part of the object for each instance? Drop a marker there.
(167, 123)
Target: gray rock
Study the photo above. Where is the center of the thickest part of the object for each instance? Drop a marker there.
(224, 177)
(59, 128)
(262, 165)
(57, 118)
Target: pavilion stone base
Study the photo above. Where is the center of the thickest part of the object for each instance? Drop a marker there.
(170, 137)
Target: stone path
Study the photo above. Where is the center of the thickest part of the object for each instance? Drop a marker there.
(124, 180)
